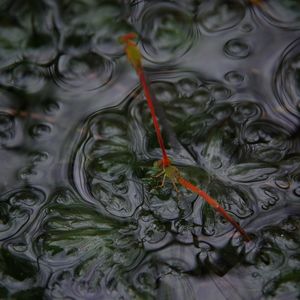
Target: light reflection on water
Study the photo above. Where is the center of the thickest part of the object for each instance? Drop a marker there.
(80, 216)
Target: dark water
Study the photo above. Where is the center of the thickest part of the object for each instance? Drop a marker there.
(80, 217)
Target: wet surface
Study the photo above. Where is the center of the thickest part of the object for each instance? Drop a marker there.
(80, 215)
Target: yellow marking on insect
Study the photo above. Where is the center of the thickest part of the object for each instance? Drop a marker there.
(132, 51)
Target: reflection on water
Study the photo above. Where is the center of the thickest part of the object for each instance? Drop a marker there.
(81, 217)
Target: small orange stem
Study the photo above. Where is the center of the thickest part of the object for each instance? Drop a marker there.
(212, 202)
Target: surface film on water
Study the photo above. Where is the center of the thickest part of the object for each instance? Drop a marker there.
(81, 214)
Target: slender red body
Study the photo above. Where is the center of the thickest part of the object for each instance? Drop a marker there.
(212, 202)
(165, 158)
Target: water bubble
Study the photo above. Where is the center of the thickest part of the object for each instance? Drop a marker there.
(6, 122)
(216, 162)
(40, 49)
(220, 15)
(286, 82)
(297, 191)
(25, 197)
(187, 86)
(237, 48)
(88, 71)
(269, 259)
(221, 112)
(284, 14)
(201, 94)
(27, 173)
(256, 275)
(20, 247)
(282, 183)
(40, 130)
(220, 93)
(268, 198)
(168, 29)
(247, 27)
(106, 42)
(17, 209)
(7, 126)
(51, 107)
(245, 112)
(24, 76)
(167, 210)
(153, 232)
(165, 92)
(267, 141)
(234, 77)
(37, 157)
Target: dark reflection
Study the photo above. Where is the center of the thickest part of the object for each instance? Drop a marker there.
(81, 214)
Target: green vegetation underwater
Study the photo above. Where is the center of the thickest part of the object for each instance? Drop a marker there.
(149, 149)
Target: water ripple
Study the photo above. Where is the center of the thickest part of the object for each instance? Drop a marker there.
(107, 165)
(267, 141)
(17, 209)
(88, 71)
(286, 80)
(163, 26)
(220, 15)
(284, 14)
(237, 48)
(24, 76)
(83, 217)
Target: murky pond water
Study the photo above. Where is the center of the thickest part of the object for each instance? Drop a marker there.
(79, 215)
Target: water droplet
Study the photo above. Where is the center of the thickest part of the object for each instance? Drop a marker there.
(282, 183)
(164, 92)
(252, 136)
(20, 247)
(39, 157)
(6, 122)
(234, 77)
(26, 77)
(255, 275)
(237, 48)
(27, 172)
(297, 191)
(222, 112)
(201, 94)
(25, 197)
(40, 130)
(247, 27)
(220, 93)
(105, 41)
(216, 162)
(7, 127)
(187, 86)
(51, 107)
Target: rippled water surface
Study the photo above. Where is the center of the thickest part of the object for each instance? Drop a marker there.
(80, 215)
